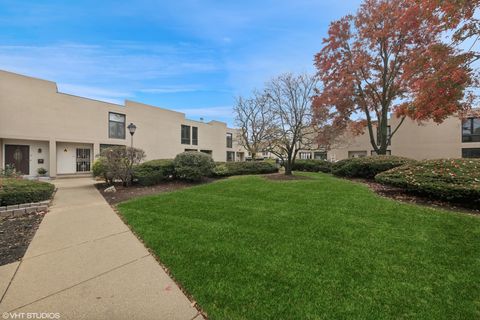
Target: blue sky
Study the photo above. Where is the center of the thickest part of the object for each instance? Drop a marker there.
(190, 56)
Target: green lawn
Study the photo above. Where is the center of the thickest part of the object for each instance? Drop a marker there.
(324, 248)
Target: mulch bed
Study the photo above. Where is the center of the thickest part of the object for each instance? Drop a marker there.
(400, 195)
(15, 236)
(124, 194)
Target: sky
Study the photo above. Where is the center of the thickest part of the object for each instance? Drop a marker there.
(191, 56)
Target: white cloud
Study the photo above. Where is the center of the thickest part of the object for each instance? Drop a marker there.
(172, 89)
(110, 72)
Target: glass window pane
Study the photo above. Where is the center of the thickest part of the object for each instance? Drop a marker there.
(194, 135)
(117, 117)
(467, 127)
(471, 153)
(476, 125)
(229, 140)
(185, 134)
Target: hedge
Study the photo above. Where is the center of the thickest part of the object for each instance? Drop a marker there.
(226, 169)
(153, 172)
(367, 167)
(193, 165)
(312, 165)
(18, 191)
(456, 180)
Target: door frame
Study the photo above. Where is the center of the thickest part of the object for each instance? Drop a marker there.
(18, 145)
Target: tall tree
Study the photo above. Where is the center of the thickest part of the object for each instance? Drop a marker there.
(290, 100)
(456, 15)
(387, 58)
(254, 119)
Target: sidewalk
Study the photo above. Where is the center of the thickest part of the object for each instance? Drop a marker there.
(84, 263)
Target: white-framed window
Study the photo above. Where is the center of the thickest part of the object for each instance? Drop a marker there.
(305, 155)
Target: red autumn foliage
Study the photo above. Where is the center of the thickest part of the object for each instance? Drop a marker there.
(389, 58)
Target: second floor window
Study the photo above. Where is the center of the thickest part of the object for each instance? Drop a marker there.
(195, 136)
(185, 135)
(229, 140)
(471, 130)
(116, 125)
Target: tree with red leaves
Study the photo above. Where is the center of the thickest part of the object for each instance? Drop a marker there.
(387, 59)
(456, 15)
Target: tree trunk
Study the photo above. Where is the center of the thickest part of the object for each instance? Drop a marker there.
(288, 169)
(288, 166)
(382, 138)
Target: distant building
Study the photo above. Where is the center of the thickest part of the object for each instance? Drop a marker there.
(450, 139)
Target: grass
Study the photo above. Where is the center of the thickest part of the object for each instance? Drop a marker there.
(322, 248)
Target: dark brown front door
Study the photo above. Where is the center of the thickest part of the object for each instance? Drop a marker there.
(18, 157)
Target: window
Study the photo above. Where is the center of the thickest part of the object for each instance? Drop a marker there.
(389, 133)
(116, 125)
(230, 156)
(471, 130)
(229, 140)
(357, 154)
(320, 155)
(305, 155)
(207, 151)
(471, 153)
(190, 150)
(388, 153)
(195, 136)
(185, 134)
(265, 154)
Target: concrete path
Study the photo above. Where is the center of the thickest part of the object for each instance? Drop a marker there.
(84, 263)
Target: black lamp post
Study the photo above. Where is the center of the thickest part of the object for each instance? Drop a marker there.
(131, 128)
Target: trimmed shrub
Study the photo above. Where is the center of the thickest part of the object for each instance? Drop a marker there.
(226, 169)
(154, 172)
(193, 165)
(18, 191)
(367, 167)
(120, 161)
(456, 180)
(312, 165)
(99, 169)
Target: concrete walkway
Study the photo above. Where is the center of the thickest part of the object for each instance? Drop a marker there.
(84, 263)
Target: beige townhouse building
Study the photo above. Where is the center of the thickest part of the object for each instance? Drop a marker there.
(454, 138)
(41, 127)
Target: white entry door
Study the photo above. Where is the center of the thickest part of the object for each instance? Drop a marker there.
(73, 158)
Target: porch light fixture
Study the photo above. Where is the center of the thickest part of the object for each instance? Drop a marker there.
(131, 128)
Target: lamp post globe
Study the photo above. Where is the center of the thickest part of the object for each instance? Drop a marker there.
(131, 128)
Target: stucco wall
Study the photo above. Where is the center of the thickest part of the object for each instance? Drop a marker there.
(32, 109)
(417, 141)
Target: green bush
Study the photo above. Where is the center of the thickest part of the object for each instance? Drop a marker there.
(456, 180)
(99, 169)
(312, 165)
(367, 167)
(226, 169)
(17, 191)
(153, 172)
(193, 165)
